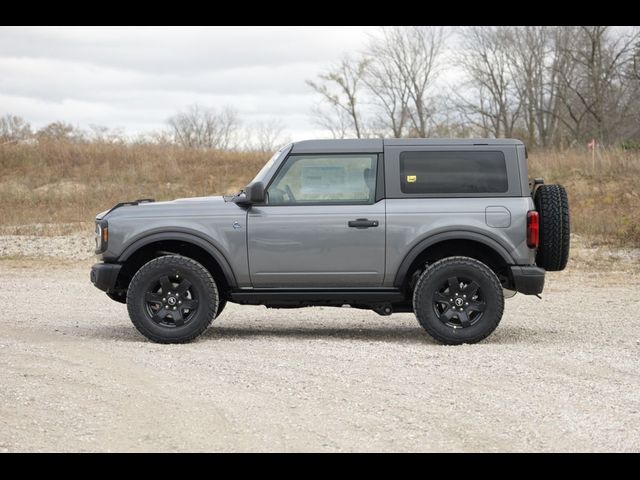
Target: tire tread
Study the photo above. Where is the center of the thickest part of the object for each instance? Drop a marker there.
(434, 269)
(553, 205)
(177, 261)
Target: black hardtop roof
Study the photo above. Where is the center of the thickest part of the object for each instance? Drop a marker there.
(376, 145)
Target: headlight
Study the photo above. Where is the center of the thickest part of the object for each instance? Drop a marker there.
(102, 236)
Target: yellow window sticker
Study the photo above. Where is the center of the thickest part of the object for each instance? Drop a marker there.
(411, 178)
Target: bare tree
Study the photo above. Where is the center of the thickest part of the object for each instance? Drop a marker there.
(266, 136)
(336, 122)
(634, 79)
(61, 131)
(340, 88)
(403, 68)
(104, 134)
(199, 127)
(537, 62)
(598, 96)
(14, 129)
(386, 85)
(490, 101)
(559, 66)
(450, 122)
(526, 53)
(162, 137)
(635, 69)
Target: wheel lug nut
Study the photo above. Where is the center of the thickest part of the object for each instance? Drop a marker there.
(174, 308)
(179, 303)
(464, 296)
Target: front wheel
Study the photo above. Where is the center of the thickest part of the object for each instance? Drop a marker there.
(458, 300)
(172, 299)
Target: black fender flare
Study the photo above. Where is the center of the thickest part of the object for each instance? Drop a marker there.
(421, 246)
(184, 237)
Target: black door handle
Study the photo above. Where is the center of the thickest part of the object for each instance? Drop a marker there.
(363, 223)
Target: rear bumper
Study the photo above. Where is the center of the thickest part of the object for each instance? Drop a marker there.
(528, 280)
(104, 275)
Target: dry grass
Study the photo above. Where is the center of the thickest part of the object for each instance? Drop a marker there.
(604, 198)
(56, 188)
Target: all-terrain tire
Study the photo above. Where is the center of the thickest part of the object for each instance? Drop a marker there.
(552, 204)
(433, 284)
(202, 287)
(222, 302)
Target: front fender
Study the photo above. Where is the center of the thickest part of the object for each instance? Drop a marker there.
(183, 236)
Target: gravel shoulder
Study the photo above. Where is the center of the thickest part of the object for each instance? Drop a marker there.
(559, 374)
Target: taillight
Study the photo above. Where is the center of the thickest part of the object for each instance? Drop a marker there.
(533, 229)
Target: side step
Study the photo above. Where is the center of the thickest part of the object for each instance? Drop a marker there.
(279, 296)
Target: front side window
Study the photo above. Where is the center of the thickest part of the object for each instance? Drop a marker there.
(453, 172)
(325, 179)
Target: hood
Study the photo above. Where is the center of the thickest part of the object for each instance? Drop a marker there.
(179, 207)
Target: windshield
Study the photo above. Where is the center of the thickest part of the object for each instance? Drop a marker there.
(260, 177)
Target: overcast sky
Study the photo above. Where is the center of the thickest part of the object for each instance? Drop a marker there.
(136, 77)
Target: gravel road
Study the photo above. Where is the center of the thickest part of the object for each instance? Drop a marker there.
(559, 374)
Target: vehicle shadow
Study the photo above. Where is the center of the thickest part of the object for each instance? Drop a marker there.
(365, 334)
(518, 335)
(504, 335)
(126, 333)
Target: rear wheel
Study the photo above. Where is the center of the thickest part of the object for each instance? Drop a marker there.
(458, 300)
(172, 299)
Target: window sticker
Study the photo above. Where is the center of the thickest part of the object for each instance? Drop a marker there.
(412, 178)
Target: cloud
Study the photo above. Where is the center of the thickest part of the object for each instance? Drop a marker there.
(135, 77)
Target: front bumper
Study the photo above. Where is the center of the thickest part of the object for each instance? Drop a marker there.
(105, 275)
(528, 280)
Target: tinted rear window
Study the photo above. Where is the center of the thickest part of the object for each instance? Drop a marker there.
(453, 172)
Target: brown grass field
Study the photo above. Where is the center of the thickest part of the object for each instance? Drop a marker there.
(57, 187)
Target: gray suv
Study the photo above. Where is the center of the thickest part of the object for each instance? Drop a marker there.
(441, 228)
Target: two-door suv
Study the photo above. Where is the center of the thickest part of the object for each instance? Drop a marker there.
(441, 228)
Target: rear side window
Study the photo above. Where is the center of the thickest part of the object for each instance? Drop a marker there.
(453, 172)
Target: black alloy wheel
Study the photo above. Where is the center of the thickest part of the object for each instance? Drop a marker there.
(172, 299)
(458, 300)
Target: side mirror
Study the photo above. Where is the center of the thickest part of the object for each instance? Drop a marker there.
(255, 192)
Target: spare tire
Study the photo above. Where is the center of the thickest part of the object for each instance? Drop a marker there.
(552, 204)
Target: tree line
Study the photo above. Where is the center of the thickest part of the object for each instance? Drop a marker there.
(548, 85)
(194, 127)
(551, 86)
